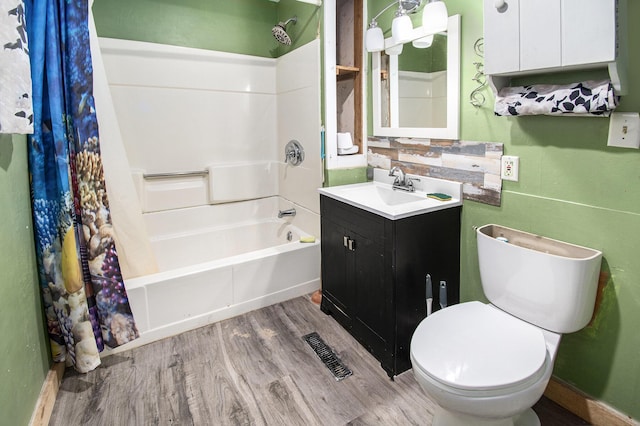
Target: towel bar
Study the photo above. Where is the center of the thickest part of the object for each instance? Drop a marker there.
(175, 174)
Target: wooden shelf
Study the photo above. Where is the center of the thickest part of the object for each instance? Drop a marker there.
(342, 70)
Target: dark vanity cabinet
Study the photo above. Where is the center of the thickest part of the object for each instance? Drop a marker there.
(374, 273)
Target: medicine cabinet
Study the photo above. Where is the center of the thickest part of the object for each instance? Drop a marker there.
(538, 36)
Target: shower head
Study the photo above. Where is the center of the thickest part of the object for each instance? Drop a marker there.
(280, 31)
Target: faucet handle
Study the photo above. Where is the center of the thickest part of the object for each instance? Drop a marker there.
(409, 182)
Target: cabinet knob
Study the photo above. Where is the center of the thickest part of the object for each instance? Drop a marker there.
(500, 5)
(345, 241)
(352, 245)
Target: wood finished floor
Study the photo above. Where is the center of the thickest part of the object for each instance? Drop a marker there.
(254, 369)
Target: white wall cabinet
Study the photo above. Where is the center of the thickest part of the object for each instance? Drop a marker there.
(540, 41)
(501, 38)
(588, 31)
(535, 36)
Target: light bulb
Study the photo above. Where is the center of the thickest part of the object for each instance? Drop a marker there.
(435, 17)
(394, 50)
(401, 29)
(424, 42)
(374, 39)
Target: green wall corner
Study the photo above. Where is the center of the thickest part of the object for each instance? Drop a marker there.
(335, 177)
(24, 351)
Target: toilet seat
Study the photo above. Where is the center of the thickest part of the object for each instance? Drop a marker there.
(476, 347)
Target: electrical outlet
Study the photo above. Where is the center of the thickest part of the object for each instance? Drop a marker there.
(510, 168)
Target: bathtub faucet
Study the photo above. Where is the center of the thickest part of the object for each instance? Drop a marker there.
(290, 212)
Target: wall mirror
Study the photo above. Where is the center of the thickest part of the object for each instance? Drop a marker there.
(417, 93)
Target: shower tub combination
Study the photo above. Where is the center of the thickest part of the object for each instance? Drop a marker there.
(215, 233)
(216, 262)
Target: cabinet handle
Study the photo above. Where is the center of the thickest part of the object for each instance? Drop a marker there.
(345, 241)
(352, 245)
(500, 5)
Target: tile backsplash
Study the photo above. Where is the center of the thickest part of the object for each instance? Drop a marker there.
(475, 164)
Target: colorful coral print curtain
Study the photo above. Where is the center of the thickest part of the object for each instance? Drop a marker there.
(84, 295)
(16, 113)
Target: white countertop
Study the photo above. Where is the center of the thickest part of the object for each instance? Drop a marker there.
(380, 198)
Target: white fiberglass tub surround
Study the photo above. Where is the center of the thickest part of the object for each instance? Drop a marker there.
(220, 248)
(212, 269)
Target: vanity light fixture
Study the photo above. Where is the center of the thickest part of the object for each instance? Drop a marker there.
(374, 39)
(423, 43)
(434, 20)
(394, 50)
(401, 26)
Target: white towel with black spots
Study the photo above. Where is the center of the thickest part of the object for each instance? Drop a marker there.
(16, 109)
(588, 97)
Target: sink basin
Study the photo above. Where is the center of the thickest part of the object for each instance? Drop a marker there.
(381, 194)
(380, 198)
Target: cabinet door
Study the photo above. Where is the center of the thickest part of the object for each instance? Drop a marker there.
(501, 37)
(425, 244)
(540, 45)
(335, 281)
(588, 31)
(373, 294)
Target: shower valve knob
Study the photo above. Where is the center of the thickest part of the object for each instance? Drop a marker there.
(293, 153)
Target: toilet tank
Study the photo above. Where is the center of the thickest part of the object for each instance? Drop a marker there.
(546, 282)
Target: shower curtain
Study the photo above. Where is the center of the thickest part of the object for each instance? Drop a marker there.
(16, 111)
(131, 237)
(84, 297)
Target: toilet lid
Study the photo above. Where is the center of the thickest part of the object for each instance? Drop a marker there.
(476, 346)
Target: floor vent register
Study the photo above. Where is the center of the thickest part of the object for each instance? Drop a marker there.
(327, 356)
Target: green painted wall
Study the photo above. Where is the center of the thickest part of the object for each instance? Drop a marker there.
(336, 177)
(238, 26)
(24, 349)
(574, 188)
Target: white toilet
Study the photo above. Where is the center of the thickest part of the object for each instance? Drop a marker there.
(488, 364)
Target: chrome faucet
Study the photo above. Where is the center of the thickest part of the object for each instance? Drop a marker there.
(290, 212)
(401, 180)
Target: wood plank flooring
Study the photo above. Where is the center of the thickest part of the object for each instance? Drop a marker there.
(254, 369)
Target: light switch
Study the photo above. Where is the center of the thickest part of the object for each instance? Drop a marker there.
(624, 130)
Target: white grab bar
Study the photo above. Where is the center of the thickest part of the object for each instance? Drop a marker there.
(151, 176)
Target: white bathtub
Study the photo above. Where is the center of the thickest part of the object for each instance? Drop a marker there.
(216, 262)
